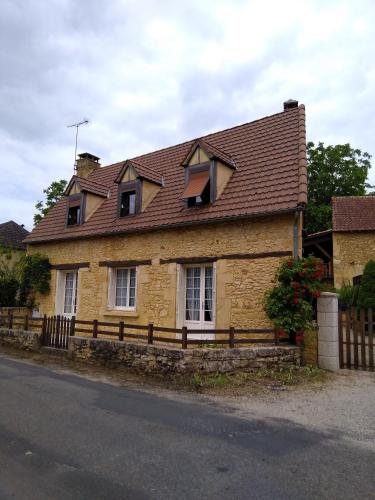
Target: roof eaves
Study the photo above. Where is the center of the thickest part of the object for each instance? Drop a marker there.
(302, 160)
(189, 223)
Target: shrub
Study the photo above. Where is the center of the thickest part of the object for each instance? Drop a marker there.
(348, 295)
(366, 294)
(289, 303)
(8, 289)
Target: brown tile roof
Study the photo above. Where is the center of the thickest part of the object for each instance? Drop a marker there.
(89, 186)
(12, 235)
(270, 177)
(353, 213)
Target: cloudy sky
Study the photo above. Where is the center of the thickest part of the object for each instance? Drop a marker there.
(150, 74)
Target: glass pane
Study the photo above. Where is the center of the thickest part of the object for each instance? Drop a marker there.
(121, 287)
(70, 293)
(192, 298)
(208, 311)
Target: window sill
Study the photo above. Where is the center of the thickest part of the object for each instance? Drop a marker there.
(121, 312)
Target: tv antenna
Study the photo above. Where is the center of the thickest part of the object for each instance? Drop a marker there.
(77, 125)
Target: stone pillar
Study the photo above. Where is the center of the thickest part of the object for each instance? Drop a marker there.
(328, 333)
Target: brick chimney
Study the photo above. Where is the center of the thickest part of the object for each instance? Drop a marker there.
(290, 104)
(86, 164)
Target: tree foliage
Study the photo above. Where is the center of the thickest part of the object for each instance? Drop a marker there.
(289, 303)
(366, 294)
(332, 171)
(53, 193)
(8, 278)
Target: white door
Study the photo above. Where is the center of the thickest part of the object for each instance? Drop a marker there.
(199, 311)
(70, 294)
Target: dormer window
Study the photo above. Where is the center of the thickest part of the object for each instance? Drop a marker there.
(137, 187)
(75, 208)
(129, 198)
(207, 172)
(198, 188)
(127, 205)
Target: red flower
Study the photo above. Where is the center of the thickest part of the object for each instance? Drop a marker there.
(316, 294)
(281, 331)
(290, 263)
(295, 285)
(299, 339)
(295, 301)
(301, 274)
(296, 294)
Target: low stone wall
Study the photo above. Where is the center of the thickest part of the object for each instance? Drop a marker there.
(26, 341)
(159, 359)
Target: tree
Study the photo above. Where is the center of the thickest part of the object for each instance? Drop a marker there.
(34, 277)
(332, 171)
(53, 193)
(366, 294)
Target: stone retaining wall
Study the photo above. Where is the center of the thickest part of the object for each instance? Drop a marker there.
(159, 359)
(26, 341)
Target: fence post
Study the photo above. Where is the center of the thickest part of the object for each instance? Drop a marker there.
(44, 328)
(150, 333)
(121, 330)
(276, 331)
(95, 329)
(231, 337)
(184, 340)
(72, 326)
(10, 319)
(57, 337)
(26, 323)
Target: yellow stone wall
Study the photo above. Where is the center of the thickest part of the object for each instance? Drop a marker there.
(241, 283)
(351, 252)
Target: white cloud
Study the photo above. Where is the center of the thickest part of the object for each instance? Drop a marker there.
(149, 74)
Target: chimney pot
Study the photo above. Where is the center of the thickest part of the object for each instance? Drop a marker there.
(290, 104)
(86, 164)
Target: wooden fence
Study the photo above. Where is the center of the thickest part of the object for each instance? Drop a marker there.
(356, 339)
(57, 329)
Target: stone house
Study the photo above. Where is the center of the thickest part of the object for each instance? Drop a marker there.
(353, 237)
(190, 235)
(11, 238)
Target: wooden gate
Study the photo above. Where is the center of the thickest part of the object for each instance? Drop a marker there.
(57, 330)
(356, 339)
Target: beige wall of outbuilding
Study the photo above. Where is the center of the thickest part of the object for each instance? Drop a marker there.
(351, 252)
(241, 283)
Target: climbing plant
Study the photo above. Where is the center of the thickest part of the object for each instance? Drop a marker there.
(34, 277)
(289, 303)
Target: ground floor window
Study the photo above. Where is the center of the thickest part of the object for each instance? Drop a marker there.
(198, 291)
(125, 288)
(122, 291)
(67, 292)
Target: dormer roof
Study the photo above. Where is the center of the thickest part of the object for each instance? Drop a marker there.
(143, 171)
(211, 151)
(88, 186)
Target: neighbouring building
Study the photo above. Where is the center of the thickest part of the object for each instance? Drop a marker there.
(353, 237)
(11, 237)
(188, 235)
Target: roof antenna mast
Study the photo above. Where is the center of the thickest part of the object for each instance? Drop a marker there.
(77, 125)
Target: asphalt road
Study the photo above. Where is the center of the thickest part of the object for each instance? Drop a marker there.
(67, 437)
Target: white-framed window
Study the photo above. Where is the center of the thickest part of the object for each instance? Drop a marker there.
(196, 296)
(123, 288)
(67, 293)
